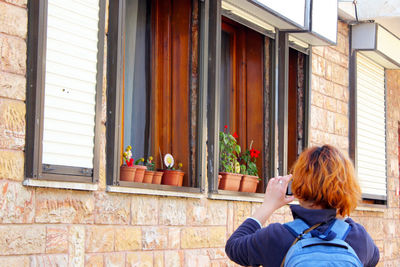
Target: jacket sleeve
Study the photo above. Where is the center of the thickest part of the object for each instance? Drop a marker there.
(252, 245)
(363, 244)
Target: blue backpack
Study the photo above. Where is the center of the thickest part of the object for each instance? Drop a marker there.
(311, 248)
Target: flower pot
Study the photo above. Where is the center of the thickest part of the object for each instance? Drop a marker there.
(230, 181)
(139, 173)
(219, 179)
(127, 173)
(148, 176)
(173, 177)
(249, 184)
(157, 177)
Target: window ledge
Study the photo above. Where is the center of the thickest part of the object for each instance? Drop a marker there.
(372, 207)
(60, 185)
(236, 196)
(145, 191)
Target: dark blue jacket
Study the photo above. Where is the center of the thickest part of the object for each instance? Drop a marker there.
(252, 245)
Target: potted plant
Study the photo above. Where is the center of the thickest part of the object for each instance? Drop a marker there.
(140, 169)
(229, 167)
(149, 173)
(249, 170)
(127, 171)
(172, 176)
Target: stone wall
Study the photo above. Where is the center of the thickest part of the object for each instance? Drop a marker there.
(54, 227)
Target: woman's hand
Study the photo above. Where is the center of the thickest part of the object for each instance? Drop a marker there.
(274, 198)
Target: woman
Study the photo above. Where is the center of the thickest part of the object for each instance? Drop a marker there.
(326, 188)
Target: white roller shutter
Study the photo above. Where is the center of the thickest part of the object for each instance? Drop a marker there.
(371, 127)
(70, 82)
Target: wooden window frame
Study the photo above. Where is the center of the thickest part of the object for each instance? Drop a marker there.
(36, 55)
(114, 103)
(367, 198)
(278, 100)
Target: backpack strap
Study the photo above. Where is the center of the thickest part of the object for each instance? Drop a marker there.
(341, 228)
(299, 229)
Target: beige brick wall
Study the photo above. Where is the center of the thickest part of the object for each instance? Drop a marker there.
(54, 227)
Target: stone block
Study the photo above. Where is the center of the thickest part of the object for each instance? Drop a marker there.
(174, 258)
(112, 208)
(319, 118)
(154, 238)
(342, 44)
(341, 125)
(342, 108)
(159, 259)
(12, 86)
(332, 55)
(114, 260)
(330, 103)
(76, 245)
(319, 50)
(343, 28)
(99, 238)
(140, 259)
(21, 3)
(197, 258)
(318, 65)
(341, 92)
(202, 237)
(340, 75)
(12, 54)
(16, 203)
(57, 239)
(128, 238)
(242, 210)
(328, 71)
(49, 260)
(22, 239)
(172, 211)
(14, 20)
(12, 165)
(174, 238)
(317, 99)
(216, 253)
(144, 210)
(12, 124)
(94, 260)
(64, 206)
(206, 212)
(20, 261)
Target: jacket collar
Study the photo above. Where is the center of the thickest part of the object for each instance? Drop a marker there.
(313, 216)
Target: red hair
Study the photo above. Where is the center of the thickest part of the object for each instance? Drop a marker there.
(325, 177)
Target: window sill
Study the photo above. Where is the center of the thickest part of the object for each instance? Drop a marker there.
(237, 196)
(372, 207)
(60, 185)
(158, 190)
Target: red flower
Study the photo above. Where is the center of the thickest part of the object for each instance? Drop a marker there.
(254, 153)
(235, 135)
(226, 126)
(130, 162)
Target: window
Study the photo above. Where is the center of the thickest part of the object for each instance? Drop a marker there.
(153, 84)
(245, 64)
(369, 144)
(65, 52)
(242, 86)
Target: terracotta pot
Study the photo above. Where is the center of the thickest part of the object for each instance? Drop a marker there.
(173, 177)
(157, 177)
(230, 181)
(148, 176)
(127, 173)
(249, 184)
(139, 173)
(219, 179)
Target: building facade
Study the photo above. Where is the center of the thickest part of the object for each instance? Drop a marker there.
(76, 88)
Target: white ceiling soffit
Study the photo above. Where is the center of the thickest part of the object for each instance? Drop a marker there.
(386, 13)
(377, 43)
(258, 15)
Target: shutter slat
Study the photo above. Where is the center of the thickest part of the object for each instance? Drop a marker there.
(70, 82)
(371, 127)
